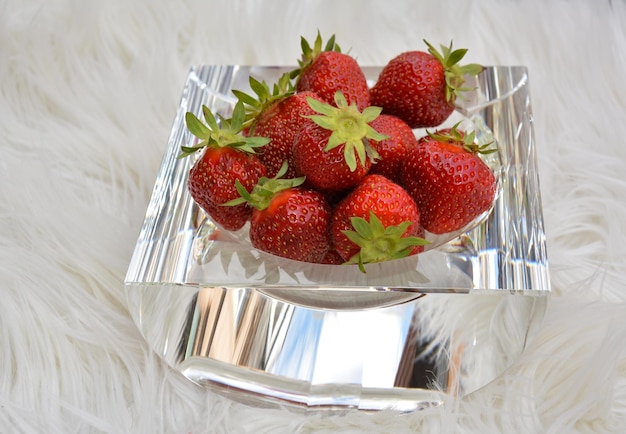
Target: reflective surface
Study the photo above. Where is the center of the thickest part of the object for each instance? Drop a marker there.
(402, 335)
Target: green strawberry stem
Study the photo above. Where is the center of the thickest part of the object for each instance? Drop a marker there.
(379, 243)
(309, 54)
(349, 127)
(465, 139)
(265, 97)
(265, 190)
(454, 73)
(226, 133)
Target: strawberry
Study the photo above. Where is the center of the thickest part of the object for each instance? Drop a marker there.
(328, 70)
(276, 114)
(448, 180)
(332, 258)
(393, 149)
(376, 222)
(288, 220)
(227, 158)
(334, 148)
(421, 87)
(295, 225)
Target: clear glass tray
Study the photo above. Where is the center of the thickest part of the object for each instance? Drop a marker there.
(402, 336)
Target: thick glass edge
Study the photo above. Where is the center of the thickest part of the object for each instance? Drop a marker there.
(505, 252)
(248, 386)
(241, 343)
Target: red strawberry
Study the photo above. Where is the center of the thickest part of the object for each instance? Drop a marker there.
(227, 158)
(276, 114)
(377, 221)
(288, 220)
(333, 149)
(326, 71)
(280, 124)
(449, 182)
(295, 225)
(332, 258)
(421, 88)
(393, 149)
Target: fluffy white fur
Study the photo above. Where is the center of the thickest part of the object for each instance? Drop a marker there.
(88, 92)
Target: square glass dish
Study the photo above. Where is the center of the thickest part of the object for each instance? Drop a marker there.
(402, 336)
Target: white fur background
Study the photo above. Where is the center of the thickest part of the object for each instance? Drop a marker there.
(88, 93)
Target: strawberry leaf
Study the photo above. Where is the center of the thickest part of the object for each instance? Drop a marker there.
(320, 107)
(348, 127)
(371, 133)
(467, 140)
(370, 113)
(471, 69)
(340, 99)
(323, 121)
(256, 141)
(330, 44)
(189, 150)
(196, 127)
(246, 99)
(243, 193)
(362, 227)
(455, 56)
(264, 99)
(310, 54)
(265, 189)
(260, 88)
(226, 135)
(238, 118)
(210, 119)
(454, 73)
(379, 243)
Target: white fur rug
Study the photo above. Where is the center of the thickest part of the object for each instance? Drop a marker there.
(88, 93)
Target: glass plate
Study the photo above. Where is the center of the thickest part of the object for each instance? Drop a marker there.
(402, 336)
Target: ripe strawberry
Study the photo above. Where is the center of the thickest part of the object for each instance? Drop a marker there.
(295, 225)
(449, 182)
(385, 220)
(334, 149)
(421, 88)
(276, 114)
(227, 158)
(326, 71)
(332, 258)
(288, 220)
(393, 149)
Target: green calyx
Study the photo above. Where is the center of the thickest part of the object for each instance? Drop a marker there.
(379, 243)
(265, 189)
(349, 127)
(309, 54)
(225, 133)
(264, 97)
(465, 139)
(454, 73)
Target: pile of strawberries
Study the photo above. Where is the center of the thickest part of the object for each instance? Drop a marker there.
(328, 170)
